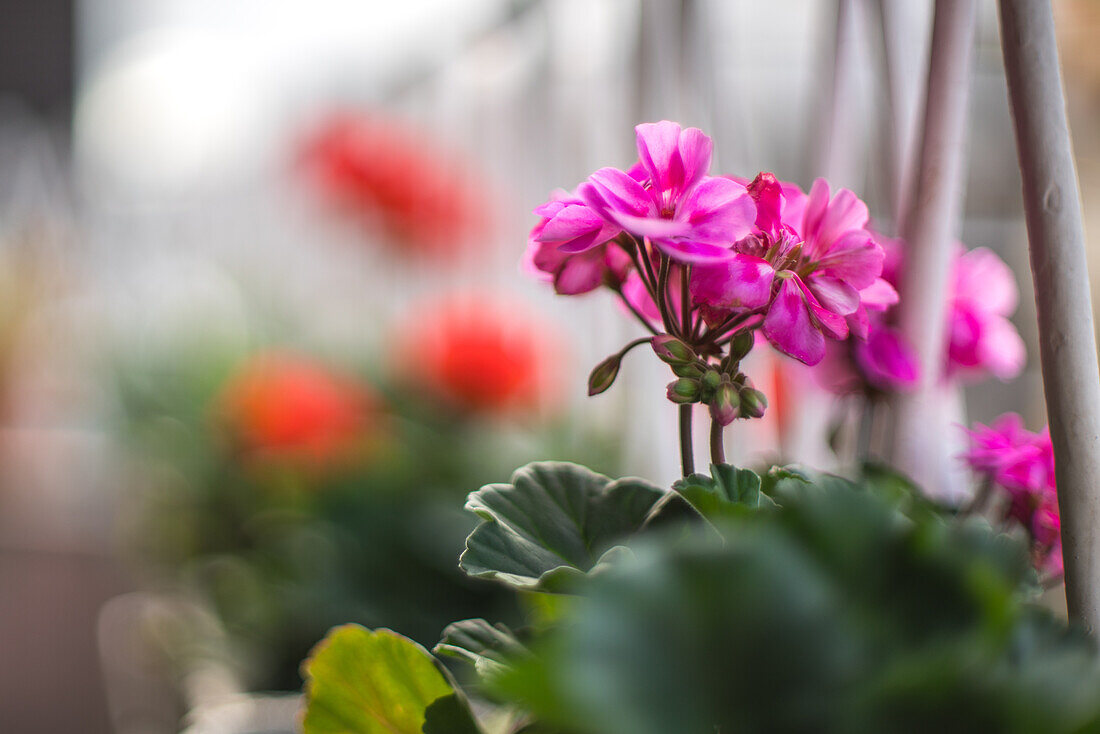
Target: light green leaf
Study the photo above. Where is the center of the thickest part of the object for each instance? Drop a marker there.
(364, 682)
(552, 524)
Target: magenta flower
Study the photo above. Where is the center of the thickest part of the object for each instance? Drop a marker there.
(980, 336)
(1021, 465)
(689, 215)
(808, 263)
(568, 250)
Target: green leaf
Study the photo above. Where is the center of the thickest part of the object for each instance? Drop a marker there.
(553, 523)
(486, 646)
(729, 491)
(364, 682)
(784, 478)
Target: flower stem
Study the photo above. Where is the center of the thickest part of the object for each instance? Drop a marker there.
(685, 300)
(717, 449)
(687, 456)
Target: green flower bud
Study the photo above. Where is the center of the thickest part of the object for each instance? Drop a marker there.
(711, 380)
(684, 390)
(604, 374)
(672, 350)
(692, 369)
(741, 345)
(753, 402)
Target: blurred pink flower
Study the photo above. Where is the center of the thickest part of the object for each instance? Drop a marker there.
(1021, 464)
(980, 336)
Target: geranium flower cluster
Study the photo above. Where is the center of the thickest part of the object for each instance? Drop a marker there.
(979, 338)
(1020, 464)
(704, 258)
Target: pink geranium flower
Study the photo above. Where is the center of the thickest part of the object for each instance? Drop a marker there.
(980, 336)
(807, 263)
(671, 200)
(1021, 465)
(567, 249)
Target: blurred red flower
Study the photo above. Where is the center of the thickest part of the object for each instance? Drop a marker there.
(480, 356)
(284, 406)
(381, 171)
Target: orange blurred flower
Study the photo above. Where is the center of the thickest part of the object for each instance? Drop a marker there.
(480, 356)
(286, 407)
(381, 171)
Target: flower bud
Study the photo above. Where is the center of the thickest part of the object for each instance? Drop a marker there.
(711, 380)
(741, 345)
(672, 350)
(753, 402)
(692, 369)
(604, 374)
(725, 405)
(683, 391)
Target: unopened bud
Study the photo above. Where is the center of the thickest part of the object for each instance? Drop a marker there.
(604, 374)
(725, 405)
(753, 402)
(683, 391)
(672, 350)
(711, 380)
(692, 369)
(741, 345)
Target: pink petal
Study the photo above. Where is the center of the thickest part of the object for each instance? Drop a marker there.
(816, 204)
(690, 251)
(788, 327)
(879, 296)
(831, 324)
(659, 152)
(609, 189)
(768, 197)
(1002, 350)
(985, 279)
(580, 274)
(793, 208)
(844, 213)
(854, 258)
(652, 227)
(695, 152)
(742, 282)
(886, 360)
(718, 211)
(576, 228)
(835, 295)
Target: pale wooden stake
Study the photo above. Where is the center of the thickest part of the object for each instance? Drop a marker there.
(1067, 342)
(920, 443)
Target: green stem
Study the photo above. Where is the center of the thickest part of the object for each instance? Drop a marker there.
(671, 325)
(717, 448)
(685, 300)
(687, 456)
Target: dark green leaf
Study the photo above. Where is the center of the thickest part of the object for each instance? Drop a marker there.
(729, 491)
(554, 522)
(486, 646)
(364, 682)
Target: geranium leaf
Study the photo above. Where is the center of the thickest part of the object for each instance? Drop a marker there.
(360, 681)
(487, 647)
(728, 491)
(554, 522)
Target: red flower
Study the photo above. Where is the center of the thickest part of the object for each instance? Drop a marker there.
(282, 406)
(479, 357)
(380, 171)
